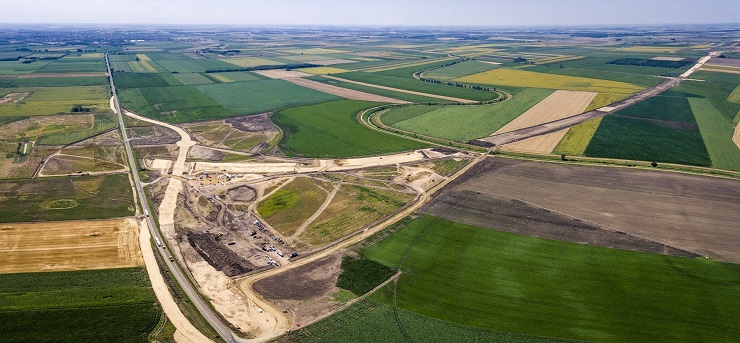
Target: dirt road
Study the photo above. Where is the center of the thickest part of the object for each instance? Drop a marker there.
(186, 332)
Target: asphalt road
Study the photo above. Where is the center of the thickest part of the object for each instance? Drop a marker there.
(187, 285)
(557, 125)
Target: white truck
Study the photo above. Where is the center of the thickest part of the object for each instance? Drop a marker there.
(156, 239)
(146, 212)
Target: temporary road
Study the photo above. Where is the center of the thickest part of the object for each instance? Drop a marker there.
(186, 284)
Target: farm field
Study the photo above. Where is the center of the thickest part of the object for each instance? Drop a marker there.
(292, 204)
(698, 214)
(352, 208)
(53, 100)
(523, 78)
(665, 121)
(262, 96)
(53, 80)
(177, 63)
(110, 305)
(66, 198)
(577, 138)
(377, 91)
(525, 285)
(412, 84)
(459, 70)
(140, 80)
(70, 245)
(331, 130)
(558, 105)
(469, 122)
(717, 134)
(373, 321)
(174, 104)
(248, 62)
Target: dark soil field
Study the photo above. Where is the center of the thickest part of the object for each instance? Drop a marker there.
(306, 282)
(591, 205)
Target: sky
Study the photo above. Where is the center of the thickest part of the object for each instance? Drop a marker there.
(372, 12)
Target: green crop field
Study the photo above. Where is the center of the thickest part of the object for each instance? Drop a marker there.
(56, 100)
(191, 79)
(459, 70)
(331, 130)
(408, 71)
(93, 197)
(637, 139)
(399, 114)
(66, 65)
(463, 123)
(110, 305)
(360, 275)
(419, 86)
(378, 91)
(184, 64)
(717, 134)
(717, 93)
(176, 104)
(262, 96)
(54, 81)
(293, 204)
(141, 80)
(372, 321)
(668, 106)
(17, 68)
(505, 282)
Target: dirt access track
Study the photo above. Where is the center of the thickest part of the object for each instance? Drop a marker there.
(69, 245)
(695, 213)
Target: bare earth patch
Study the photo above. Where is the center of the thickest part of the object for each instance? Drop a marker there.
(69, 245)
(343, 92)
(694, 213)
(13, 98)
(305, 292)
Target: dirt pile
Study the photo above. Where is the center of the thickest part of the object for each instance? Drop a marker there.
(218, 256)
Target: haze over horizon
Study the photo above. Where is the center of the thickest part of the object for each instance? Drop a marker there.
(381, 12)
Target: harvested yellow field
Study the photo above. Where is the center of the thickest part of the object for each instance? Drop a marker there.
(221, 77)
(523, 78)
(323, 70)
(142, 67)
(343, 92)
(248, 62)
(734, 96)
(69, 245)
(722, 70)
(577, 138)
(558, 105)
(143, 57)
(281, 73)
